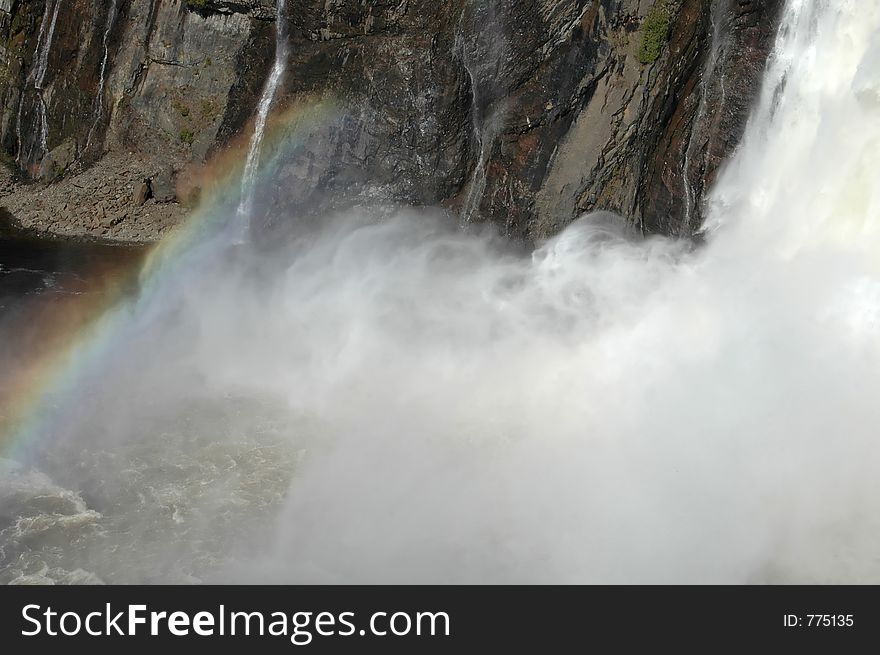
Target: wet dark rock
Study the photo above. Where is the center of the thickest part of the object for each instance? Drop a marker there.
(708, 122)
(522, 112)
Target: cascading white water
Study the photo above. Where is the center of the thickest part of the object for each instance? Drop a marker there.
(102, 73)
(477, 186)
(37, 76)
(398, 401)
(40, 78)
(485, 118)
(252, 164)
(710, 72)
(44, 47)
(478, 179)
(806, 172)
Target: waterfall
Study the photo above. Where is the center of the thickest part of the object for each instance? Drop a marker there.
(478, 179)
(484, 118)
(44, 47)
(249, 177)
(37, 76)
(39, 79)
(707, 78)
(808, 165)
(102, 75)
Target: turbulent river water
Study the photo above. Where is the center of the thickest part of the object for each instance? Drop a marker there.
(398, 400)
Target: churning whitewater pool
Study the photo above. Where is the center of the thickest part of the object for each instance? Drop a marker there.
(175, 504)
(395, 399)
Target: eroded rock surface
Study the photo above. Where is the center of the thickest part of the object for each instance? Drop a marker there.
(523, 112)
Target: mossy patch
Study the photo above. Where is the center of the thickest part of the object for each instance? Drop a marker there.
(180, 108)
(655, 31)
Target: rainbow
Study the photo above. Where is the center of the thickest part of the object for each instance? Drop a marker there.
(81, 334)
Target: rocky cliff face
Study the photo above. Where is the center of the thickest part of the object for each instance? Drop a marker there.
(522, 112)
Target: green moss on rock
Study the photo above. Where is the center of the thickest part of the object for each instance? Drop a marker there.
(655, 30)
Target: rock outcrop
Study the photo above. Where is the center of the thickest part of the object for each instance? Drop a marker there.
(523, 112)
